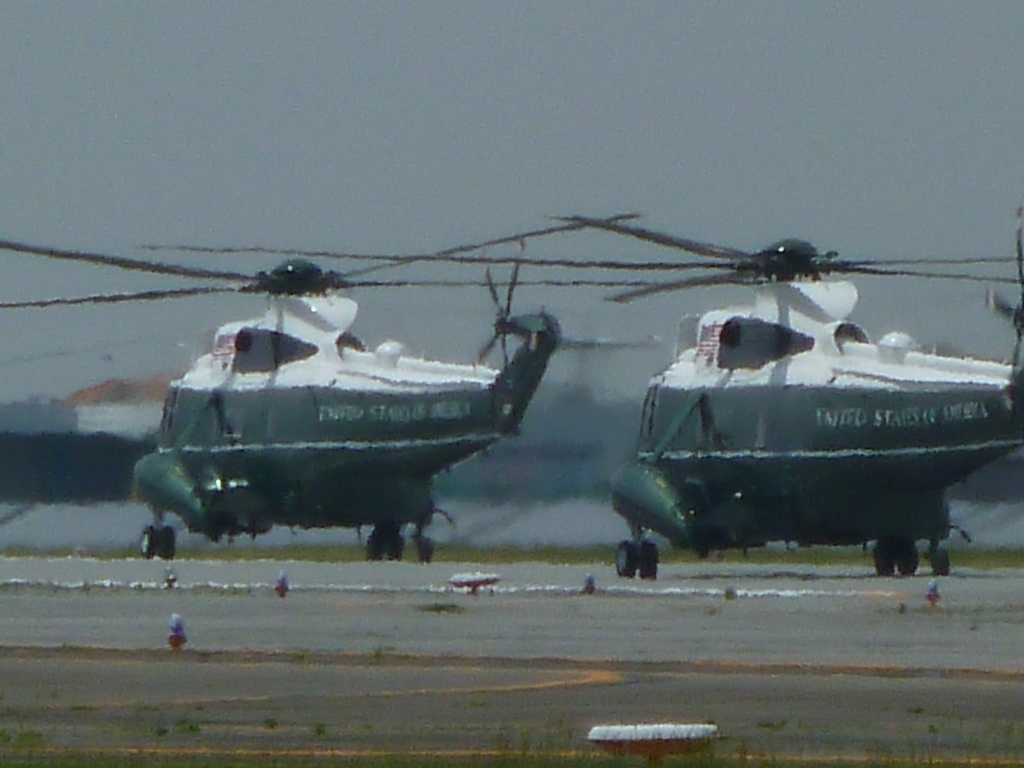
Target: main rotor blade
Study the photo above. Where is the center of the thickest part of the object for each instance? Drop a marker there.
(935, 261)
(136, 265)
(116, 298)
(583, 283)
(440, 255)
(608, 264)
(653, 266)
(692, 282)
(660, 238)
(864, 270)
(747, 278)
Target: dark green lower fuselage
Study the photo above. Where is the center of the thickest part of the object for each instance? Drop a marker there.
(740, 466)
(242, 458)
(316, 457)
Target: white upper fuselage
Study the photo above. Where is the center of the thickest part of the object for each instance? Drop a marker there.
(841, 356)
(322, 361)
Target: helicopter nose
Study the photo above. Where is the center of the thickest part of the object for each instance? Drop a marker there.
(162, 481)
(641, 492)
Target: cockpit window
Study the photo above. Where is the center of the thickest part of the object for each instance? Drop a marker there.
(258, 350)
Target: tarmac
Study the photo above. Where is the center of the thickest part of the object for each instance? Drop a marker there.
(391, 658)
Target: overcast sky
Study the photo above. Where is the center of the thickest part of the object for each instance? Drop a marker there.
(875, 129)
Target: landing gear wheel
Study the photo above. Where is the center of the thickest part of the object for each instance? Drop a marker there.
(166, 545)
(385, 542)
(147, 544)
(940, 562)
(896, 553)
(394, 546)
(157, 541)
(374, 551)
(885, 562)
(648, 560)
(374, 546)
(907, 558)
(626, 559)
(424, 548)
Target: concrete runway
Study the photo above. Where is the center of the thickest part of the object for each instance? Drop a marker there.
(389, 657)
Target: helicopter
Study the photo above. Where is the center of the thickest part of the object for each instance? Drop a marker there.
(288, 419)
(782, 421)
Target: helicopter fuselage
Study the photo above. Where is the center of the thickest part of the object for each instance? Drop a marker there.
(805, 432)
(816, 465)
(319, 456)
(282, 424)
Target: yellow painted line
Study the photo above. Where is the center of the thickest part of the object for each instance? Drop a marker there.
(735, 666)
(576, 679)
(603, 665)
(592, 677)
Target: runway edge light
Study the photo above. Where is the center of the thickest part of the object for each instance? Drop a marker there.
(589, 585)
(281, 585)
(176, 639)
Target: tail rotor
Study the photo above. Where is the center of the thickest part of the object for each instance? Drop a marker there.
(1015, 314)
(502, 326)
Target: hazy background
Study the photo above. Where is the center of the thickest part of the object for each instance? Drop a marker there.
(874, 128)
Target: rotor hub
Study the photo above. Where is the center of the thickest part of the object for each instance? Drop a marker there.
(296, 277)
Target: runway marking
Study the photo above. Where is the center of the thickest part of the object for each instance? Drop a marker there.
(570, 678)
(261, 754)
(592, 677)
(727, 666)
(271, 752)
(584, 671)
(569, 673)
(545, 590)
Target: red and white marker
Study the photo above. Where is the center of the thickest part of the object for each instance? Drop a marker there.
(473, 581)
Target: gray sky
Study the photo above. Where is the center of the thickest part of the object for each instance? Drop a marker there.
(876, 129)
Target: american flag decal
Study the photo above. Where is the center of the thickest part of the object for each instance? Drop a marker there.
(707, 342)
(224, 344)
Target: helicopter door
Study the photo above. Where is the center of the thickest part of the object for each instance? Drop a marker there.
(225, 418)
(245, 414)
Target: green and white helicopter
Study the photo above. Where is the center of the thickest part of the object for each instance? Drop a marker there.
(289, 420)
(781, 421)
